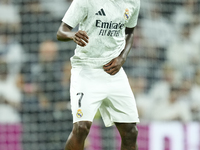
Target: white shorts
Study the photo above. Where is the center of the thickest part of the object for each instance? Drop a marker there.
(93, 89)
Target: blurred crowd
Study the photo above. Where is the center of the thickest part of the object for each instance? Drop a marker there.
(163, 68)
(34, 76)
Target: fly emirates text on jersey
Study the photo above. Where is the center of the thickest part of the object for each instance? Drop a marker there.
(109, 28)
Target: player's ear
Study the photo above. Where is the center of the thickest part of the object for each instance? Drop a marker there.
(129, 30)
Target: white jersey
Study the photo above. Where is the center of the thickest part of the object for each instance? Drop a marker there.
(105, 22)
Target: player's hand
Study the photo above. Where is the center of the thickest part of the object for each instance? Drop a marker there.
(114, 65)
(81, 38)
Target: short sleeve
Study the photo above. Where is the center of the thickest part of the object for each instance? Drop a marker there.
(76, 13)
(134, 17)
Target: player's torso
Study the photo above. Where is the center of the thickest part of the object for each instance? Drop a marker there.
(108, 18)
(105, 25)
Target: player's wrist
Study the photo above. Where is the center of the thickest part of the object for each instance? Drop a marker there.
(122, 57)
(72, 35)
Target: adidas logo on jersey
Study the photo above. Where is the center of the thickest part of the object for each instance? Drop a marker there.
(101, 12)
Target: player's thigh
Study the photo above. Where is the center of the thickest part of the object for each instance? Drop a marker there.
(123, 108)
(86, 96)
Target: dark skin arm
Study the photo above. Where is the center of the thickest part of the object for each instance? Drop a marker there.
(65, 34)
(114, 65)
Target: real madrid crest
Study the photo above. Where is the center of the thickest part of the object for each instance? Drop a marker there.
(126, 14)
(79, 113)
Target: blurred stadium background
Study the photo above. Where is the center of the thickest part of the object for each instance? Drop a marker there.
(163, 69)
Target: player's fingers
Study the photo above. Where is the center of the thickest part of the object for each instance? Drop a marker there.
(85, 39)
(114, 72)
(79, 41)
(111, 71)
(108, 64)
(107, 68)
(112, 66)
(84, 34)
(80, 36)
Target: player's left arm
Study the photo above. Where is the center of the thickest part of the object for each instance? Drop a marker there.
(115, 64)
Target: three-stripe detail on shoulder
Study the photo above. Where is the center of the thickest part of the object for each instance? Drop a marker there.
(101, 12)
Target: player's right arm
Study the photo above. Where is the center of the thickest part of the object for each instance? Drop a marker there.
(65, 33)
